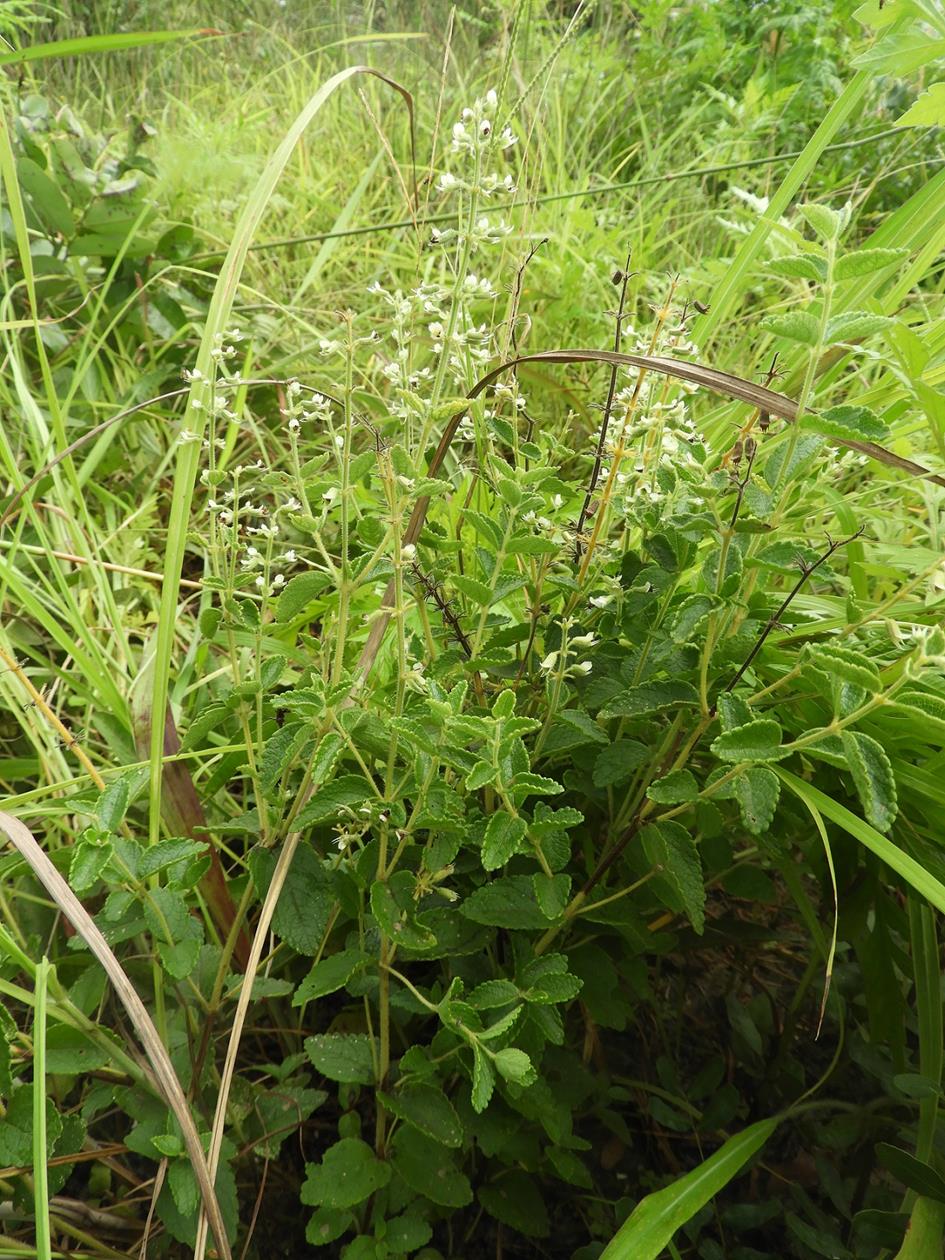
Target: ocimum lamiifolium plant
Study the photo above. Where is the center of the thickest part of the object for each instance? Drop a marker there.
(548, 801)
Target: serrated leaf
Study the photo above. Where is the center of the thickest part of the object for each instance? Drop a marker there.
(306, 901)
(483, 1081)
(515, 1200)
(329, 975)
(865, 261)
(336, 800)
(757, 790)
(425, 1167)
(86, 864)
(925, 704)
(853, 325)
(508, 902)
(670, 847)
(793, 326)
(674, 788)
(900, 52)
(650, 698)
(298, 593)
(493, 993)
(428, 1110)
(799, 266)
(847, 422)
(551, 893)
(347, 1057)
(843, 664)
(827, 223)
(617, 763)
(477, 591)
(873, 777)
(113, 803)
(927, 111)
(348, 1174)
(758, 740)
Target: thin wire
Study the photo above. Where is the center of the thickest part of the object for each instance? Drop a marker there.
(547, 199)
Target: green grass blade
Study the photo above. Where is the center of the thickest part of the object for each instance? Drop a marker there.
(905, 866)
(40, 1152)
(98, 44)
(654, 1221)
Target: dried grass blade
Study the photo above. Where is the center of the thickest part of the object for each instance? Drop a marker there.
(32, 853)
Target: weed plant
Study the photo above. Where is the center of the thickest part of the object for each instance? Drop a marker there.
(472, 658)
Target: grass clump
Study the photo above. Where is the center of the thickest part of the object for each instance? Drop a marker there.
(481, 676)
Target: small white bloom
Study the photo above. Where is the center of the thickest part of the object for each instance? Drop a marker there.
(549, 662)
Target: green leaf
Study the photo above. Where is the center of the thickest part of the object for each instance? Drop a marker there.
(670, 847)
(847, 422)
(758, 740)
(407, 1233)
(70, 1052)
(113, 803)
(478, 592)
(327, 1226)
(298, 593)
(427, 1170)
(428, 1110)
(927, 111)
(514, 1200)
(865, 261)
(650, 698)
(843, 664)
(507, 902)
(307, 899)
(336, 800)
(329, 975)
(481, 774)
(493, 993)
(617, 763)
(928, 707)
(900, 52)
(345, 1057)
(827, 223)
(348, 1174)
(799, 266)
(551, 893)
(913, 1173)
(393, 907)
(651, 1225)
(503, 836)
(483, 1081)
(757, 790)
(674, 788)
(48, 202)
(515, 1066)
(89, 858)
(853, 325)
(873, 777)
(793, 326)
(178, 935)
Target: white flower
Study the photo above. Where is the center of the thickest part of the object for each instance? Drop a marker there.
(408, 551)
(290, 557)
(585, 667)
(549, 662)
(331, 495)
(186, 436)
(600, 601)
